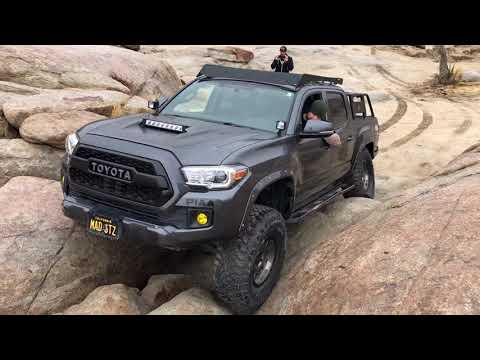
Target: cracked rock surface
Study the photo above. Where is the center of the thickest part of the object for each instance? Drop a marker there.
(418, 254)
(47, 263)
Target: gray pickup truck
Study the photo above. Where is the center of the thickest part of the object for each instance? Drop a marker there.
(223, 165)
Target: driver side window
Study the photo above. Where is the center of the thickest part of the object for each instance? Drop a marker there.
(306, 108)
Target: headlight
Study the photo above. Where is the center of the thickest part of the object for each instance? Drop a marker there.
(70, 142)
(214, 177)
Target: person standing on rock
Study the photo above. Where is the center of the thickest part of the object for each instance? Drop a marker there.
(283, 62)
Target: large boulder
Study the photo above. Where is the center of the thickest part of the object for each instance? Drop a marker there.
(53, 128)
(136, 105)
(194, 301)
(116, 299)
(163, 288)
(417, 254)
(88, 67)
(20, 158)
(48, 263)
(103, 102)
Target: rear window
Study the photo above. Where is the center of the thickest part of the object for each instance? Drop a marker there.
(360, 106)
(337, 111)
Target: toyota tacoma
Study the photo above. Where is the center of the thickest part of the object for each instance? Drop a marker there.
(223, 165)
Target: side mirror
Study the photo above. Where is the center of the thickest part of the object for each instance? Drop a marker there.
(317, 129)
(158, 103)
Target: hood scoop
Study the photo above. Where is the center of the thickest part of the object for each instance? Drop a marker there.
(160, 125)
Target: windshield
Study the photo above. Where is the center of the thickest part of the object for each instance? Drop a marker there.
(239, 103)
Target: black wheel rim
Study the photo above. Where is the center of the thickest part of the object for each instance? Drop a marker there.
(264, 262)
(365, 176)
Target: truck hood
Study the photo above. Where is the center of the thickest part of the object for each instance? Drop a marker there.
(203, 143)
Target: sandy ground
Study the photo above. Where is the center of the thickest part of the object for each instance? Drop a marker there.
(420, 133)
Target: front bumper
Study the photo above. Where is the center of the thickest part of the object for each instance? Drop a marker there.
(226, 208)
(167, 236)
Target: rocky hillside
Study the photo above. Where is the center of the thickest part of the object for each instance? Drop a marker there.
(47, 92)
(416, 254)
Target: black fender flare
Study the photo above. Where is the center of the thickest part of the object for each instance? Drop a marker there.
(260, 186)
(364, 138)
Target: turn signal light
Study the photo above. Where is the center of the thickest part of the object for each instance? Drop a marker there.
(240, 174)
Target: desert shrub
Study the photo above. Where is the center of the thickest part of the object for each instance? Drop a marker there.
(117, 110)
(453, 76)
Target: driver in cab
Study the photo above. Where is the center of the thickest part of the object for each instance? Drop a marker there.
(318, 111)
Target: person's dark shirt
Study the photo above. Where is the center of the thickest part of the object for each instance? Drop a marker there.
(285, 66)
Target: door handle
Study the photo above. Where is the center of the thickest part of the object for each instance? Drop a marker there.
(350, 138)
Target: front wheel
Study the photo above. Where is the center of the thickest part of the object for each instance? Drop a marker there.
(248, 267)
(363, 177)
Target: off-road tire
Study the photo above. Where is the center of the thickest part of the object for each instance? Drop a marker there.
(236, 259)
(363, 166)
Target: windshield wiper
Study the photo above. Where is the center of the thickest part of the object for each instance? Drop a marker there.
(240, 126)
(212, 121)
(184, 116)
(231, 124)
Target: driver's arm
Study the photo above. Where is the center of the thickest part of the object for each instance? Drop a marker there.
(335, 139)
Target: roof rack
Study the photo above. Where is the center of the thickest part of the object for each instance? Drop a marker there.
(316, 79)
(269, 77)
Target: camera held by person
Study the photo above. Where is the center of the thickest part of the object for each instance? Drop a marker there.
(283, 62)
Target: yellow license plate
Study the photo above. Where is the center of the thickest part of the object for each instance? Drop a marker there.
(104, 226)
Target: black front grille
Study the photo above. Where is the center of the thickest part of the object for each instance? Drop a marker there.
(141, 166)
(135, 192)
(176, 217)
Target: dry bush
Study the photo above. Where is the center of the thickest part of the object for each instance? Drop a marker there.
(454, 76)
(117, 110)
